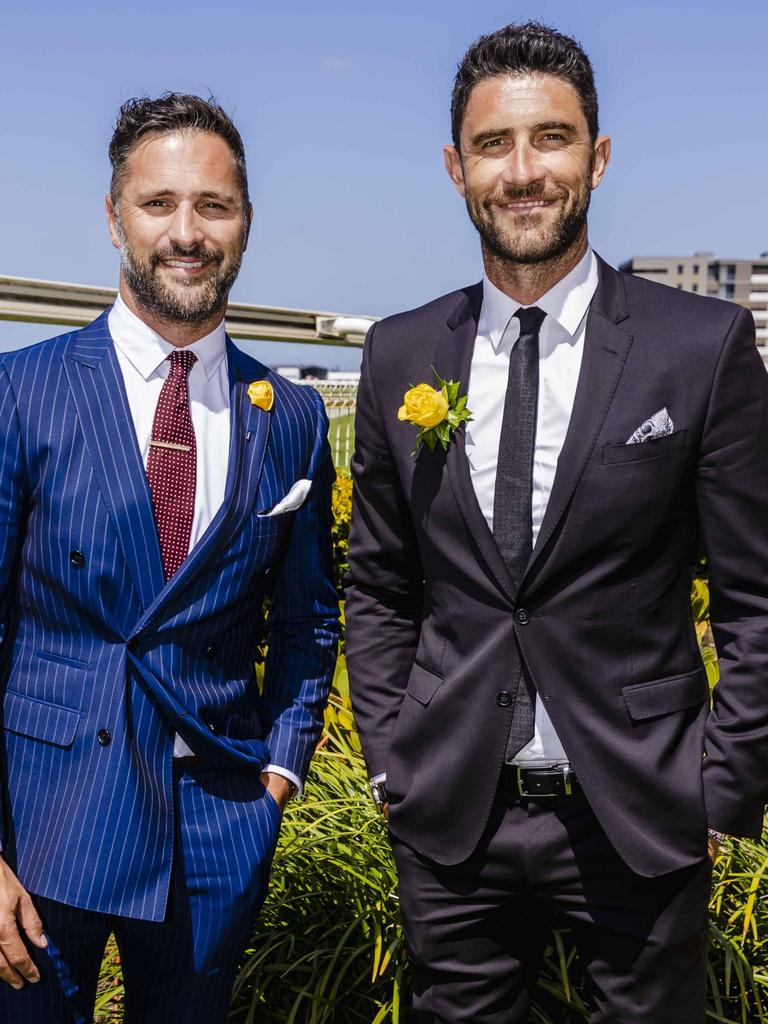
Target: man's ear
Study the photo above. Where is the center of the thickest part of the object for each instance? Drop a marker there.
(114, 234)
(601, 159)
(452, 159)
(248, 225)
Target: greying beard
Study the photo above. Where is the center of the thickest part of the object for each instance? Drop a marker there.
(205, 299)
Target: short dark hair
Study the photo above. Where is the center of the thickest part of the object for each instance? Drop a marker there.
(172, 112)
(531, 48)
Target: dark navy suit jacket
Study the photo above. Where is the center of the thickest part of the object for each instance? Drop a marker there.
(103, 662)
(436, 627)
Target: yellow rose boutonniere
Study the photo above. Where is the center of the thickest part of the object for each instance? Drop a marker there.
(437, 411)
(261, 394)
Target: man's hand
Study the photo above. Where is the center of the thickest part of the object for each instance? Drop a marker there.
(713, 848)
(278, 787)
(17, 915)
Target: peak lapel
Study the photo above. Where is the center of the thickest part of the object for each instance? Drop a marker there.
(249, 433)
(102, 407)
(607, 342)
(453, 359)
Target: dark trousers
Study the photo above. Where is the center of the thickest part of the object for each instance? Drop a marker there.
(476, 932)
(179, 970)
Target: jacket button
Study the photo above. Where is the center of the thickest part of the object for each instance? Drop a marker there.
(210, 651)
(77, 558)
(504, 699)
(522, 616)
(104, 736)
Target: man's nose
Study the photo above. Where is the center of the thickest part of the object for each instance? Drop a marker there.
(186, 228)
(523, 166)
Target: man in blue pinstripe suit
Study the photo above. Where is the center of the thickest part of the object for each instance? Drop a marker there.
(156, 485)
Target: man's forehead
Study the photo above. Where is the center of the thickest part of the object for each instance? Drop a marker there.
(523, 98)
(187, 148)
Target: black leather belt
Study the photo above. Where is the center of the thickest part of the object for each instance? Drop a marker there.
(533, 783)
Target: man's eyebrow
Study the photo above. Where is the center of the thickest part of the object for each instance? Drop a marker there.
(156, 193)
(550, 126)
(223, 196)
(540, 126)
(161, 193)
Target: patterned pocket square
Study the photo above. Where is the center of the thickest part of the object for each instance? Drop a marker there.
(658, 425)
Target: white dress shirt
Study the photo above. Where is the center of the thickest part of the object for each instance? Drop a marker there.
(561, 344)
(143, 357)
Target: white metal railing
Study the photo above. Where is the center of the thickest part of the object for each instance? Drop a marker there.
(340, 400)
(55, 302)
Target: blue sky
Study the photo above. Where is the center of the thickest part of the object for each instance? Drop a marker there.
(344, 109)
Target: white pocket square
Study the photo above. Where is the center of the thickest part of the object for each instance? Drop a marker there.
(658, 425)
(294, 499)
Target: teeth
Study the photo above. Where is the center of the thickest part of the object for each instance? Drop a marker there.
(184, 264)
(527, 203)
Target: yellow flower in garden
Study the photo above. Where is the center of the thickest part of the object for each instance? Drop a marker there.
(424, 405)
(261, 394)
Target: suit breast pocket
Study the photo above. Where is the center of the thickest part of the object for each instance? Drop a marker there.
(645, 451)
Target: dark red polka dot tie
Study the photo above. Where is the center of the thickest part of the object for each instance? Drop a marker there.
(172, 463)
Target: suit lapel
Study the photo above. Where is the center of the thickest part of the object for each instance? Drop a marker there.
(249, 433)
(453, 359)
(102, 407)
(607, 342)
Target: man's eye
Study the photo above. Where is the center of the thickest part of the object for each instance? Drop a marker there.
(156, 202)
(214, 206)
(492, 143)
(554, 137)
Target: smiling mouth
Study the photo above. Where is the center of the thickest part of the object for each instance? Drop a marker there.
(523, 205)
(185, 264)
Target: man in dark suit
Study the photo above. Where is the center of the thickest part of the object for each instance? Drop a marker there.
(156, 484)
(525, 673)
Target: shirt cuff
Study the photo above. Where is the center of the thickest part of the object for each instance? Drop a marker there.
(381, 777)
(277, 770)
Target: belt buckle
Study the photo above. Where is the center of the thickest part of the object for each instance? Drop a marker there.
(523, 792)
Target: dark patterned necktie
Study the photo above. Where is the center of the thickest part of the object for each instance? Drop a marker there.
(512, 503)
(172, 463)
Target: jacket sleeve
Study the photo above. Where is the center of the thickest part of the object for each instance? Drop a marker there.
(303, 624)
(385, 586)
(732, 496)
(12, 504)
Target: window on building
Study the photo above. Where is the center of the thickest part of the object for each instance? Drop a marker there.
(695, 287)
(726, 291)
(680, 268)
(695, 268)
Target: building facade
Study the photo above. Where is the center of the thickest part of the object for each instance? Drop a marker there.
(738, 280)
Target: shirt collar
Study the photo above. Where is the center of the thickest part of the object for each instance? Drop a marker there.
(146, 350)
(566, 302)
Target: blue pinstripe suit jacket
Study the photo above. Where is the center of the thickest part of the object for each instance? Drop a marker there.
(102, 642)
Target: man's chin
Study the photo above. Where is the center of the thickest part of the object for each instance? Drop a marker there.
(527, 250)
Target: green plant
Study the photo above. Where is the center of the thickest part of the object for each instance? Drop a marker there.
(342, 517)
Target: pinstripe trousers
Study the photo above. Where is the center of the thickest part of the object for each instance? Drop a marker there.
(179, 970)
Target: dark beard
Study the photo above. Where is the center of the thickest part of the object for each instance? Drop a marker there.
(562, 236)
(205, 299)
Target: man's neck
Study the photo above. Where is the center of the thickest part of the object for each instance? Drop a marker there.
(178, 334)
(527, 282)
